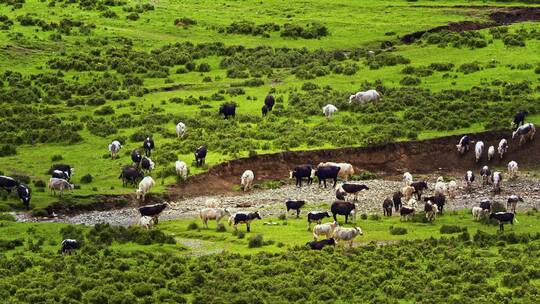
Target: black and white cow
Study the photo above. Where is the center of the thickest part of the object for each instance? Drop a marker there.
(67, 169)
(387, 207)
(406, 213)
(396, 198)
(25, 194)
(343, 208)
(419, 188)
(269, 102)
(463, 145)
(8, 183)
(228, 110)
(512, 201)
(485, 204)
(318, 245)
(200, 155)
(294, 205)
(519, 119)
(503, 218)
(469, 178)
(525, 133)
(485, 173)
(438, 200)
(148, 146)
(300, 172)
(328, 172)
(60, 174)
(316, 217)
(69, 245)
(131, 175)
(147, 164)
(153, 211)
(353, 189)
(244, 218)
(136, 157)
(430, 210)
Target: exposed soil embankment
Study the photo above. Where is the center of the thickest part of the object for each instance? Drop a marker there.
(498, 17)
(419, 157)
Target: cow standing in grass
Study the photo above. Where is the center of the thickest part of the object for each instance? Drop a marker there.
(114, 148)
(180, 130)
(244, 218)
(148, 146)
(200, 155)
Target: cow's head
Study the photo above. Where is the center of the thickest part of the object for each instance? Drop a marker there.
(460, 148)
(358, 230)
(139, 194)
(257, 215)
(326, 214)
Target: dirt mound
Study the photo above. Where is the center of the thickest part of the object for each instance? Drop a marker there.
(500, 16)
(419, 157)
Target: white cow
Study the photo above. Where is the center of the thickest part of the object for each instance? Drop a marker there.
(180, 129)
(452, 189)
(114, 148)
(407, 179)
(491, 153)
(503, 147)
(346, 170)
(329, 110)
(440, 186)
(478, 150)
(181, 169)
(346, 234)
(59, 184)
(364, 97)
(146, 222)
(247, 179)
(326, 229)
(525, 132)
(477, 213)
(216, 214)
(496, 180)
(144, 187)
(512, 169)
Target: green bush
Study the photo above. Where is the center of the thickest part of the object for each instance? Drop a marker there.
(87, 179)
(410, 81)
(255, 241)
(220, 228)
(397, 230)
(193, 226)
(7, 150)
(56, 157)
(449, 229)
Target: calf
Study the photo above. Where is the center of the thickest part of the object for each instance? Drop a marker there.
(347, 234)
(496, 180)
(463, 145)
(478, 150)
(60, 185)
(247, 179)
(440, 186)
(131, 175)
(67, 169)
(144, 187)
(316, 217)
(469, 178)
(519, 119)
(294, 205)
(148, 146)
(491, 153)
(8, 183)
(343, 208)
(216, 214)
(244, 218)
(439, 200)
(478, 213)
(264, 110)
(147, 164)
(180, 130)
(419, 188)
(200, 155)
(114, 148)
(407, 192)
(324, 173)
(136, 157)
(503, 148)
(326, 229)
(503, 218)
(396, 198)
(512, 169)
(430, 210)
(353, 189)
(269, 102)
(329, 110)
(68, 245)
(146, 222)
(525, 132)
(387, 207)
(407, 179)
(485, 173)
(452, 189)
(153, 211)
(25, 194)
(181, 169)
(345, 172)
(300, 172)
(228, 110)
(512, 201)
(318, 245)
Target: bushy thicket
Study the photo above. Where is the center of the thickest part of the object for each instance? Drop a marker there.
(313, 30)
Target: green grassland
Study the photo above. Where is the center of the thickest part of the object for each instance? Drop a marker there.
(485, 99)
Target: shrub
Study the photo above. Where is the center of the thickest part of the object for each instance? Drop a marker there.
(203, 67)
(309, 86)
(449, 229)
(468, 68)
(7, 217)
(241, 234)
(255, 241)
(220, 228)
(133, 16)
(87, 179)
(39, 183)
(7, 150)
(375, 217)
(56, 157)
(106, 110)
(410, 81)
(193, 226)
(397, 230)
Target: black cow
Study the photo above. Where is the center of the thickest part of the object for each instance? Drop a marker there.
(131, 174)
(294, 205)
(387, 207)
(406, 212)
(8, 183)
(439, 200)
(316, 217)
(264, 110)
(153, 211)
(245, 218)
(67, 169)
(353, 189)
(318, 245)
(60, 174)
(147, 164)
(324, 173)
(269, 102)
(25, 194)
(299, 172)
(228, 110)
(68, 245)
(503, 218)
(341, 195)
(136, 157)
(343, 208)
(419, 188)
(485, 205)
(519, 119)
(396, 198)
(148, 146)
(200, 155)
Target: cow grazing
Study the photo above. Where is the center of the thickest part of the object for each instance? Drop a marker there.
(345, 172)
(512, 201)
(300, 172)
(485, 173)
(430, 210)
(525, 132)
(406, 213)
(353, 189)
(153, 211)
(318, 245)
(343, 208)
(60, 174)
(136, 157)
(148, 146)
(463, 145)
(58, 184)
(364, 97)
(8, 183)
(477, 213)
(244, 218)
(294, 205)
(407, 179)
(269, 102)
(147, 164)
(478, 150)
(146, 222)
(347, 234)
(491, 153)
(181, 169)
(264, 110)
(180, 130)
(438, 200)
(114, 148)
(496, 180)
(67, 169)
(328, 172)
(396, 198)
(419, 188)
(131, 175)
(316, 217)
(512, 170)
(326, 230)
(469, 179)
(216, 214)
(69, 245)
(519, 119)
(407, 192)
(144, 187)
(247, 180)
(329, 110)
(25, 194)
(228, 110)
(200, 155)
(387, 207)
(503, 218)
(503, 148)
(452, 189)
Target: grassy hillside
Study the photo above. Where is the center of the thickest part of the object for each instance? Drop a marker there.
(76, 75)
